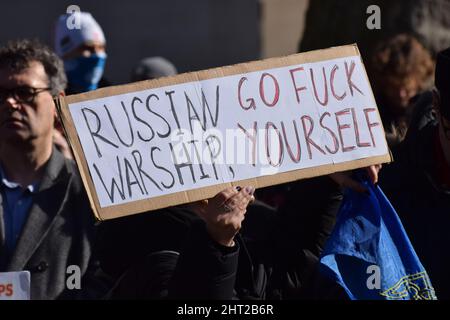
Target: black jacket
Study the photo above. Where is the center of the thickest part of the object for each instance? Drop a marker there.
(169, 254)
(412, 186)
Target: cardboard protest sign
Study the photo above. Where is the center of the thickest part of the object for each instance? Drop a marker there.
(169, 141)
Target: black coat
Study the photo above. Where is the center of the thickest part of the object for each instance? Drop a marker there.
(168, 253)
(412, 186)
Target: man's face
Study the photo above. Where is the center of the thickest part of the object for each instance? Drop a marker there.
(26, 120)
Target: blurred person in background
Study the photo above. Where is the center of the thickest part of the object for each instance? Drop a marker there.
(83, 52)
(153, 68)
(418, 181)
(400, 69)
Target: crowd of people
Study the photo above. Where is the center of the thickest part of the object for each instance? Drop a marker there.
(242, 243)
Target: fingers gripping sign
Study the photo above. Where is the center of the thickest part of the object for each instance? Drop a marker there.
(224, 213)
(345, 180)
(372, 172)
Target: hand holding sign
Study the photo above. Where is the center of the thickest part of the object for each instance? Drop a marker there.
(345, 180)
(176, 140)
(224, 213)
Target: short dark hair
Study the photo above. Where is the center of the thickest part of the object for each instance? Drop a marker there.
(18, 54)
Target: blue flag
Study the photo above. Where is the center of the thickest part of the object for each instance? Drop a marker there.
(369, 253)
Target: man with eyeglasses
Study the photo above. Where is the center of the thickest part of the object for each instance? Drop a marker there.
(45, 219)
(418, 182)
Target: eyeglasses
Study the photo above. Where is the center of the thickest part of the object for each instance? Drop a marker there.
(23, 94)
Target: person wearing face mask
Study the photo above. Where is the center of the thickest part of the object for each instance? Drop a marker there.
(82, 51)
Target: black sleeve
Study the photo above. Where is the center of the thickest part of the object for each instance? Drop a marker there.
(306, 222)
(309, 215)
(166, 254)
(205, 269)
